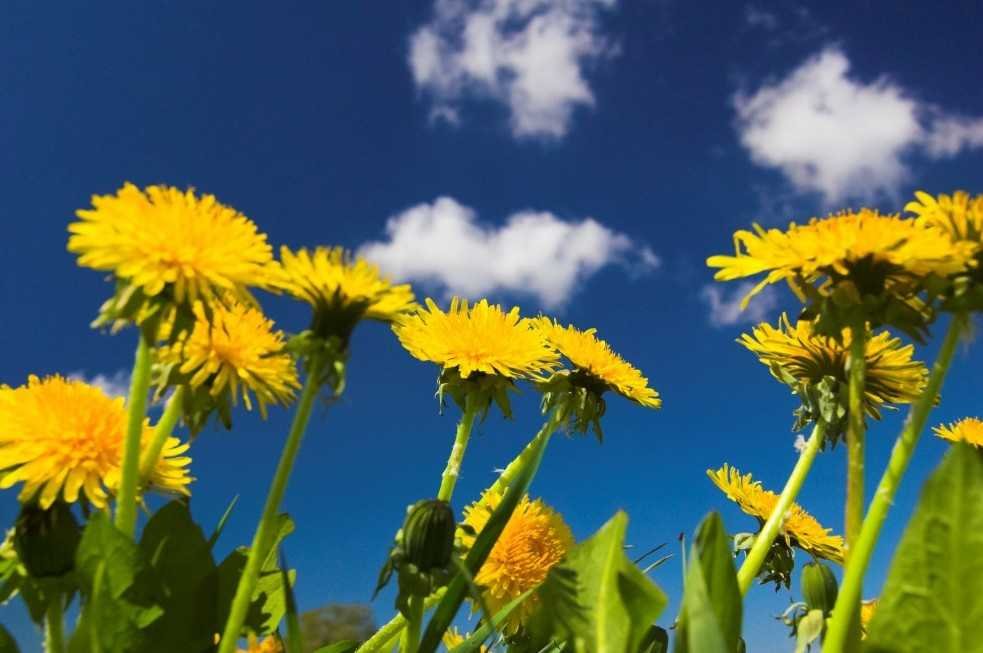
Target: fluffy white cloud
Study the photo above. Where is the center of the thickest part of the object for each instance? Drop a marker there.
(841, 137)
(534, 253)
(725, 307)
(116, 384)
(527, 54)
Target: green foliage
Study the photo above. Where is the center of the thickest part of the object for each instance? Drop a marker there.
(7, 642)
(335, 623)
(710, 618)
(346, 646)
(819, 588)
(656, 641)
(931, 601)
(808, 629)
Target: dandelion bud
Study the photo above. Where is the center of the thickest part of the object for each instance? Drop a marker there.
(46, 539)
(819, 587)
(428, 535)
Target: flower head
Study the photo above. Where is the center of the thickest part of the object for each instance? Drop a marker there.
(534, 540)
(958, 214)
(63, 437)
(232, 353)
(799, 527)
(269, 644)
(867, 610)
(171, 245)
(968, 429)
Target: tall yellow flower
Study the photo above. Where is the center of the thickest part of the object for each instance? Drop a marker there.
(799, 527)
(534, 540)
(167, 242)
(269, 644)
(63, 437)
(478, 339)
(892, 376)
(595, 359)
(231, 353)
(958, 214)
(968, 429)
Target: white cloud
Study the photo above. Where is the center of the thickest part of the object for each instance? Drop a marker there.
(534, 253)
(755, 16)
(116, 384)
(725, 308)
(831, 133)
(527, 54)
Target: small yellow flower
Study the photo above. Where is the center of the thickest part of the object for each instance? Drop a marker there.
(481, 338)
(892, 376)
(235, 352)
(533, 541)
(799, 527)
(867, 610)
(595, 358)
(969, 429)
(843, 246)
(269, 644)
(62, 437)
(957, 214)
(164, 239)
(453, 638)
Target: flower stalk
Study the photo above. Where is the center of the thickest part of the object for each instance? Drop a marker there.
(453, 469)
(857, 372)
(163, 431)
(762, 543)
(410, 639)
(904, 448)
(54, 625)
(136, 411)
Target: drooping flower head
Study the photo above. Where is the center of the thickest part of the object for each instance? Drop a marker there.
(63, 438)
(232, 353)
(534, 540)
(799, 528)
(968, 429)
(168, 248)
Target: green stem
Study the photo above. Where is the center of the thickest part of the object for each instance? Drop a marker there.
(762, 543)
(265, 529)
(163, 430)
(854, 513)
(54, 625)
(449, 478)
(383, 638)
(136, 411)
(904, 448)
(410, 639)
(513, 468)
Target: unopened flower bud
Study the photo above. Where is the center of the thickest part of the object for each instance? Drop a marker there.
(46, 540)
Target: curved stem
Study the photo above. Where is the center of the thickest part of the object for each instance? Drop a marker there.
(136, 411)
(163, 430)
(854, 513)
(901, 454)
(762, 543)
(383, 638)
(410, 639)
(54, 625)
(512, 469)
(449, 478)
(265, 529)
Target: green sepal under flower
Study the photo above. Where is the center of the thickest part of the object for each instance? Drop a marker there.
(778, 565)
(46, 539)
(819, 587)
(159, 316)
(577, 399)
(483, 389)
(307, 344)
(825, 401)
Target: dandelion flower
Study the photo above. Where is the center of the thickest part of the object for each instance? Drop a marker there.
(63, 437)
(969, 429)
(269, 644)
(799, 527)
(478, 339)
(234, 352)
(957, 214)
(453, 638)
(533, 541)
(594, 358)
(163, 238)
(867, 610)
(892, 376)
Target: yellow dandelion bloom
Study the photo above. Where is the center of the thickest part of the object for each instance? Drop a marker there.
(163, 237)
(969, 429)
(839, 245)
(594, 357)
(333, 281)
(867, 610)
(235, 351)
(269, 644)
(62, 437)
(799, 527)
(453, 638)
(535, 539)
(481, 338)
(893, 377)
(958, 214)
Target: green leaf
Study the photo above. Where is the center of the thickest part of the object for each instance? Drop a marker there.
(7, 642)
(710, 618)
(223, 521)
(294, 637)
(346, 646)
(477, 638)
(931, 600)
(656, 641)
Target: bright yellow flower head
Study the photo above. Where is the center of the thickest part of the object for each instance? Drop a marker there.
(534, 540)
(481, 338)
(341, 287)
(165, 238)
(594, 357)
(839, 245)
(799, 528)
(969, 429)
(957, 214)
(453, 638)
(269, 644)
(867, 610)
(61, 437)
(892, 376)
(236, 352)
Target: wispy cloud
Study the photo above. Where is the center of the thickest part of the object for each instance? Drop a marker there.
(116, 384)
(530, 55)
(534, 253)
(725, 304)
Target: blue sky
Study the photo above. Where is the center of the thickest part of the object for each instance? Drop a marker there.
(583, 159)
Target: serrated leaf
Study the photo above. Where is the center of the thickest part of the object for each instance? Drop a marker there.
(931, 602)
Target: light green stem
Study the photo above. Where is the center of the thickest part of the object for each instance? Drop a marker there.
(512, 469)
(384, 637)
(136, 411)
(854, 513)
(163, 430)
(410, 639)
(54, 625)
(762, 543)
(265, 529)
(449, 478)
(904, 448)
